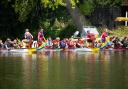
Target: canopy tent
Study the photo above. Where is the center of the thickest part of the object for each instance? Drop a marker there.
(121, 19)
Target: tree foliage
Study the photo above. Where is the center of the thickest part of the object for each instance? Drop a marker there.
(55, 3)
(19, 14)
(87, 6)
(24, 7)
(108, 3)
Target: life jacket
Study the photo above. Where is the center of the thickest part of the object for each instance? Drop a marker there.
(55, 42)
(71, 44)
(91, 36)
(81, 42)
(62, 44)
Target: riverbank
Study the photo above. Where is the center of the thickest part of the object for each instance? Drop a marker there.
(120, 31)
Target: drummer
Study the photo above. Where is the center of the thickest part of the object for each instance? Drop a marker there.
(28, 38)
(41, 37)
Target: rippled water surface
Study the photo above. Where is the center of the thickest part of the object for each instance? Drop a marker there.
(64, 70)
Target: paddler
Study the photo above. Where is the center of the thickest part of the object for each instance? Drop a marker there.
(56, 43)
(90, 38)
(49, 43)
(1, 44)
(8, 44)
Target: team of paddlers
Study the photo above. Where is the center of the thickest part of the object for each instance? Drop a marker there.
(89, 41)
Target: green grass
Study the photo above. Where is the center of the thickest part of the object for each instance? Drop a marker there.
(120, 32)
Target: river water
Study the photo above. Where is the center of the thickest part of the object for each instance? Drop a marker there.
(64, 70)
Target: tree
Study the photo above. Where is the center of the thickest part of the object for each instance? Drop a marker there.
(108, 3)
(24, 7)
(87, 7)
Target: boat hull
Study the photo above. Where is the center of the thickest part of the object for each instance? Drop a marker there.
(31, 50)
(74, 50)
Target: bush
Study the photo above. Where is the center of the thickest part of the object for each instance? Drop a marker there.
(68, 31)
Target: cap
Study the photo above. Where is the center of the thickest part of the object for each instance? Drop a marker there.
(27, 30)
(41, 29)
(57, 38)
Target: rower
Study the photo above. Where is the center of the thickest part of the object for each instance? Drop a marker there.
(125, 42)
(49, 43)
(1, 44)
(63, 44)
(71, 43)
(56, 43)
(8, 44)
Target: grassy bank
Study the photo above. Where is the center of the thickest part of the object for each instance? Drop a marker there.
(120, 32)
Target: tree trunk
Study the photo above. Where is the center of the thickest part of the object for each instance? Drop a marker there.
(77, 17)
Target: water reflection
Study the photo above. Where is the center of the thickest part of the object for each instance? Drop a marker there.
(64, 70)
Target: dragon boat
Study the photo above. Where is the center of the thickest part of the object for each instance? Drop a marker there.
(34, 50)
(83, 49)
(21, 50)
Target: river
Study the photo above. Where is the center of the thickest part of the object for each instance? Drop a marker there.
(64, 70)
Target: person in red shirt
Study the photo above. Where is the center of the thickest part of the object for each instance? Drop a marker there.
(56, 43)
(80, 43)
(71, 44)
(90, 38)
(104, 35)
